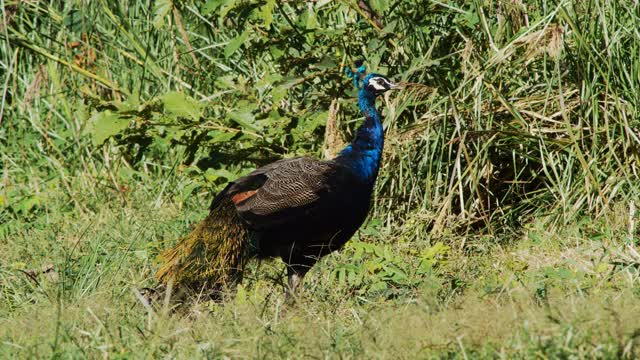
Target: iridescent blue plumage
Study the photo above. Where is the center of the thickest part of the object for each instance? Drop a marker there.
(364, 153)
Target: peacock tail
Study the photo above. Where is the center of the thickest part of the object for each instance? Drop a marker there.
(212, 255)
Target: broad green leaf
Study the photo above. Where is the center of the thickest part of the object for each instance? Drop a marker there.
(212, 5)
(228, 5)
(132, 103)
(174, 133)
(215, 174)
(245, 119)
(221, 136)
(276, 52)
(180, 105)
(390, 28)
(268, 80)
(326, 62)
(188, 190)
(235, 44)
(313, 122)
(266, 13)
(106, 124)
(379, 6)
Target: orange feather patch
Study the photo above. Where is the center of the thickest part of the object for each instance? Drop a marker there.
(240, 197)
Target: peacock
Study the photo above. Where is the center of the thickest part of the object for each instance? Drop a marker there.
(298, 209)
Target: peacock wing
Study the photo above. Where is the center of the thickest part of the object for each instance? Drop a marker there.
(283, 191)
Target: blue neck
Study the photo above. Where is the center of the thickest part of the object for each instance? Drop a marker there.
(364, 153)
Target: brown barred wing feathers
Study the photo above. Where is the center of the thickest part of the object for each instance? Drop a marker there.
(291, 189)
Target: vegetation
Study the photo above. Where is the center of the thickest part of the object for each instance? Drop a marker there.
(505, 214)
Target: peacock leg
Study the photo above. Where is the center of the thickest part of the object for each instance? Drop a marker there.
(295, 276)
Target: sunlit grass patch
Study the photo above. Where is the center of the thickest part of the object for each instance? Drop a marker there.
(504, 222)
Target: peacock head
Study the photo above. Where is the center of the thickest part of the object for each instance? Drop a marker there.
(376, 84)
(373, 85)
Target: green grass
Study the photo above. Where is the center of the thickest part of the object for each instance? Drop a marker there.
(544, 292)
(504, 221)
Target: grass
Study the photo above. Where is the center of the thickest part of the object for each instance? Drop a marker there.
(546, 292)
(504, 221)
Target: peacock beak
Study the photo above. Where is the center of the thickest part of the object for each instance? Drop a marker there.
(394, 86)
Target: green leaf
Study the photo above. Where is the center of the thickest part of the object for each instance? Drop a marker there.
(228, 6)
(378, 286)
(314, 121)
(326, 63)
(211, 6)
(311, 20)
(266, 13)
(27, 204)
(279, 93)
(106, 124)
(226, 82)
(187, 191)
(268, 80)
(245, 119)
(276, 52)
(214, 174)
(379, 6)
(218, 136)
(160, 10)
(235, 44)
(180, 105)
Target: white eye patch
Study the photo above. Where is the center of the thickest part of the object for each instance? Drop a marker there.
(379, 83)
